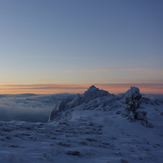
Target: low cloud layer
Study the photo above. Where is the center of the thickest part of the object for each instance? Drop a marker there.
(27, 107)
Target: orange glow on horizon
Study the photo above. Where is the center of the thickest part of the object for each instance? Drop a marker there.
(77, 88)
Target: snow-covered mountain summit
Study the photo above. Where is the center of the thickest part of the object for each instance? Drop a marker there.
(93, 93)
(92, 99)
(95, 100)
(88, 127)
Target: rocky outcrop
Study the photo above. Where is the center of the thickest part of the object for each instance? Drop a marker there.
(93, 93)
(77, 100)
(60, 107)
(132, 102)
(96, 99)
(132, 111)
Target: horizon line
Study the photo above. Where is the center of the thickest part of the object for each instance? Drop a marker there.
(55, 88)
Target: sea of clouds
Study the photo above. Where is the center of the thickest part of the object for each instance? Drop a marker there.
(28, 107)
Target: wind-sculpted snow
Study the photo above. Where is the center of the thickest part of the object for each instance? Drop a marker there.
(81, 130)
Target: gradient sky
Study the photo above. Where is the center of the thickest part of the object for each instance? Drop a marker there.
(63, 44)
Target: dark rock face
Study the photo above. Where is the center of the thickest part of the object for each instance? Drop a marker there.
(118, 112)
(54, 112)
(161, 113)
(75, 153)
(60, 107)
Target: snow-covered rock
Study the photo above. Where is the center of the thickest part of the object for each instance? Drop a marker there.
(132, 102)
(93, 93)
(132, 111)
(92, 99)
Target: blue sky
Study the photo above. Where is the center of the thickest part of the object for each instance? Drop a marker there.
(81, 41)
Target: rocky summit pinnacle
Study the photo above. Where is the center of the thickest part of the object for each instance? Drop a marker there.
(94, 92)
(133, 91)
(92, 89)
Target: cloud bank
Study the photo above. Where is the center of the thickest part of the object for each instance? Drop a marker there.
(27, 107)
